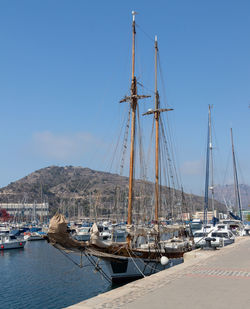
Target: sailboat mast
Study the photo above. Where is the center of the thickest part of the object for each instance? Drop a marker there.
(133, 123)
(207, 174)
(157, 111)
(236, 183)
(211, 160)
(157, 114)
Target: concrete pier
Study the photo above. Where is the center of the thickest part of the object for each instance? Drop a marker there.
(207, 279)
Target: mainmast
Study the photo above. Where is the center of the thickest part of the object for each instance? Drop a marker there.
(156, 113)
(236, 183)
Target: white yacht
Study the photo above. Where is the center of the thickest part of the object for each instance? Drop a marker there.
(199, 238)
(34, 236)
(223, 237)
(82, 233)
(4, 228)
(104, 232)
(200, 235)
(236, 226)
(11, 242)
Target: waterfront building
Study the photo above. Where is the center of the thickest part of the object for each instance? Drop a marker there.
(210, 215)
(33, 210)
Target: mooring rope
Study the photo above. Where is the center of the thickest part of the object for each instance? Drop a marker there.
(97, 267)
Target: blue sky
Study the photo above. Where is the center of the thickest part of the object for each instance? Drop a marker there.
(65, 65)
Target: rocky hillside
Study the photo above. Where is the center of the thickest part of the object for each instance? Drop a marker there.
(79, 191)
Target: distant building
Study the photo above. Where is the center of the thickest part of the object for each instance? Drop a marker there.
(210, 215)
(25, 209)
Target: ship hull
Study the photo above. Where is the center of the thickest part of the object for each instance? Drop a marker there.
(129, 269)
(12, 245)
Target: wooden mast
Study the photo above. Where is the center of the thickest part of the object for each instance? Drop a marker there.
(132, 99)
(132, 141)
(157, 111)
(156, 115)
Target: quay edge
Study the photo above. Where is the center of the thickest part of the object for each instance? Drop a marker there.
(125, 296)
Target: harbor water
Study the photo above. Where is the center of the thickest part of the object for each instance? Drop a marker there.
(39, 276)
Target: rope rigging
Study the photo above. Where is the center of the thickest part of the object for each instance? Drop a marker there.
(125, 142)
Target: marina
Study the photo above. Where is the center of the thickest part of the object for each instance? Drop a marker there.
(54, 281)
(114, 189)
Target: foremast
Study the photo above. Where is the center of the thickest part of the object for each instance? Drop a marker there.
(133, 104)
(133, 100)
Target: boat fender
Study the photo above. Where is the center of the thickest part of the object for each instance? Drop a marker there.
(164, 260)
(2, 246)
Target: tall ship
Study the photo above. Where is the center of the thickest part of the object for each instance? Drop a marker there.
(132, 258)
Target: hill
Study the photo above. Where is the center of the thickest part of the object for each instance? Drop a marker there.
(79, 191)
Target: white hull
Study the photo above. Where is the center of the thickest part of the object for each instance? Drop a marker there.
(220, 236)
(12, 245)
(33, 236)
(129, 269)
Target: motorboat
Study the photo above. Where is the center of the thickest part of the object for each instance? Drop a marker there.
(176, 244)
(200, 235)
(222, 237)
(104, 232)
(82, 233)
(199, 238)
(31, 236)
(11, 242)
(236, 226)
(4, 229)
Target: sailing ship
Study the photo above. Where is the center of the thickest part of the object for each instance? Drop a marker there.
(130, 260)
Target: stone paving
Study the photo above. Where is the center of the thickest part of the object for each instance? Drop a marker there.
(207, 279)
